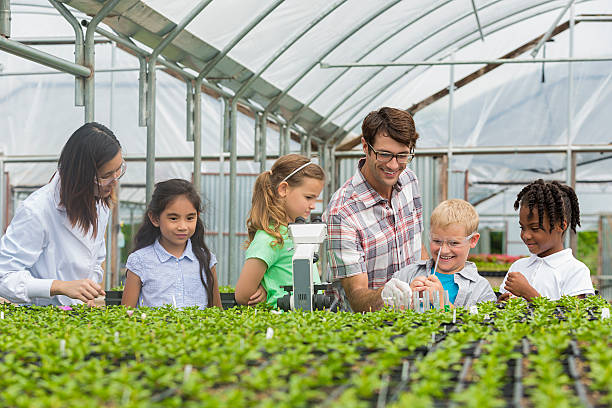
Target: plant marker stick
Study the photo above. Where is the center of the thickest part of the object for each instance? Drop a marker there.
(405, 370)
(116, 337)
(474, 309)
(62, 347)
(415, 300)
(269, 333)
(426, 301)
(605, 313)
(454, 316)
(187, 372)
(174, 301)
(436, 264)
(436, 300)
(2, 315)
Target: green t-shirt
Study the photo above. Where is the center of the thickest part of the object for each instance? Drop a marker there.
(279, 261)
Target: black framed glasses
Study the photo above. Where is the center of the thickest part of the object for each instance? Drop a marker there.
(386, 157)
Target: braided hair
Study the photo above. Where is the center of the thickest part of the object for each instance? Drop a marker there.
(557, 200)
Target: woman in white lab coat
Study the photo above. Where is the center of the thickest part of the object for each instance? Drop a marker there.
(53, 248)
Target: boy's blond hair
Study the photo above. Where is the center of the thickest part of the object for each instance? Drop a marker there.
(455, 211)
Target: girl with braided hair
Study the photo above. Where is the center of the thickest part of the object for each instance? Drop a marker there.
(288, 190)
(547, 210)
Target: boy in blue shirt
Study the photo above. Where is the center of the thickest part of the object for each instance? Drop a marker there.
(453, 226)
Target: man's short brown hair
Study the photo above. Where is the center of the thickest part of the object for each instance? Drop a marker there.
(395, 123)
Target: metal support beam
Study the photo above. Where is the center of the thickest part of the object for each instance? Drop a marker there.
(142, 91)
(257, 137)
(550, 30)
(221, 189)
(451, 100)
(263, 151)
(368, 51)
(5, 18)
(79, 50)
(197, 139)
(287, 45)
(151, 84)
(571, 239)
(233, 228)
(215, 60)
(477, 20)
(276, 100)
(494, 23)
(90, 59)
(43, 58)
(189, 110)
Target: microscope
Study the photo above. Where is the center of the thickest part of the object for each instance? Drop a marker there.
(306, 241)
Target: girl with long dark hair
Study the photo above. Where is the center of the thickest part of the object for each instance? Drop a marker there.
(54, 246)
(171, 263)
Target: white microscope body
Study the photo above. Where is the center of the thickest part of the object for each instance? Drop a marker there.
(306, 241)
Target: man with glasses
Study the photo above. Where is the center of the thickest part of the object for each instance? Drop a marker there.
(375, 219)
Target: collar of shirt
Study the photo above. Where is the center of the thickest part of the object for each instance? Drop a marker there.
(554, 261)
(469, 271)
(164, 255)
(364, 192)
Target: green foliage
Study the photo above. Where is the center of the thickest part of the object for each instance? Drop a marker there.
(164, 357)
(588, 249)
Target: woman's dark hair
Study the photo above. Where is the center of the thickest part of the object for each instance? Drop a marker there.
(557, 200)
(89, 148)
(165, 192)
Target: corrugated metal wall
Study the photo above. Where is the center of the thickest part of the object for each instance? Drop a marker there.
(215, 205)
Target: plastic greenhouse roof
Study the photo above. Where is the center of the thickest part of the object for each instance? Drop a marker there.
(255, 32)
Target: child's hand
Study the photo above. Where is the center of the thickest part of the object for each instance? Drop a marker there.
(259, 296)
(433, 284)
(503, 297)
(418, 284)
(517, 284)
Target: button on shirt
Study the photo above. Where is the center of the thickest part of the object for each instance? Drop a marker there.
(370, 234)
(165, 276)
(41, 245)
(554, 275)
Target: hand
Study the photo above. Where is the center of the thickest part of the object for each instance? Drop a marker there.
(433, 285)
(397, 294)
(503, 297)
(259, 296)
(517, 284)
(82, 289)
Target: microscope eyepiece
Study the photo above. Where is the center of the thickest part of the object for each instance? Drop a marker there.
(300, 220)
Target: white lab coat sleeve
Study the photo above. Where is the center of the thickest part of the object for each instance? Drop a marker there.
(20, 248)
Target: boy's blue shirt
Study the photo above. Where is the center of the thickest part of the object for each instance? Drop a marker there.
(448, 283)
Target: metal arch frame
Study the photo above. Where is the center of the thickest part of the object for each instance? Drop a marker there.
(79, 50)
(383, 88)
(150, 92)
(279, 52)
(306, 105)
(274, 103)
(233, 112)
(550, 30)
(478, 20)
(90, 59)
(327, 117)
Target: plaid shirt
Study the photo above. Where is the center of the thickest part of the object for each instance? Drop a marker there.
(369, 234)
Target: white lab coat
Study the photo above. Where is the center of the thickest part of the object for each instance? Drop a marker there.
(40, 245)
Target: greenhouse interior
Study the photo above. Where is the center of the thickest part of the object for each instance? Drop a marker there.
(214, 92)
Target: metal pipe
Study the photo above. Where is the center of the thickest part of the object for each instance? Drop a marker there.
(215, 60)
(389, 83)
(570, 238)
(451, 100)
(79, 50)
(197, 139)
(3, 74)
(256, 137)
(309, 145)
(151, 84)
(90, 60)
(233, 255)
(221, 191)
(275, 101)
(546, 36)
(43, 58)
(190, 110)
(287, 45)
(263, 152)
(5, 18)
(325, 65)
(376, 45)
(477, 20)
(142, 91)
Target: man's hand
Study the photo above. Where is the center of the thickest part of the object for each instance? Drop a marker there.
(82, 289)
(259, 296)
(397, 294)
(517, 284)
(503, 297)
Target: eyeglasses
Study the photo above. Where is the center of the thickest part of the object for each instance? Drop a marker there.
(386, 157)
(105, 181)
(452, 242)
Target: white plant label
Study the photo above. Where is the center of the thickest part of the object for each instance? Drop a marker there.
(473, 309)
(269, 333)
(605, 313)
